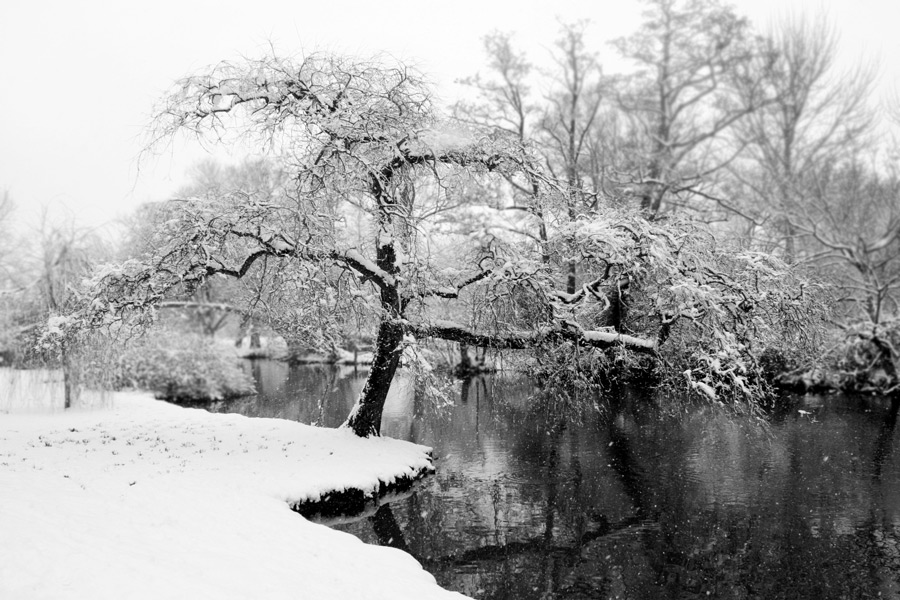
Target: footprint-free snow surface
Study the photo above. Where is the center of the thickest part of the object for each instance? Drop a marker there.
(150, 500)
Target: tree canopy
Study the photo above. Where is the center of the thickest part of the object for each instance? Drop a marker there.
(396, 216)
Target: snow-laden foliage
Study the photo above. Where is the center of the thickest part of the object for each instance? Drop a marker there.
(403, 224)
(701, 312)
(179, 366)
(860, 356)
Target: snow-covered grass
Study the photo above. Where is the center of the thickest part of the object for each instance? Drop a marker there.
(149, 500)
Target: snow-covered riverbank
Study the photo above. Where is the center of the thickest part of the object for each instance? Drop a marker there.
(149, 500)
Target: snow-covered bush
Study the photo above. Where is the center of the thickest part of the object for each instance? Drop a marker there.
(179, 366)
(864, 356)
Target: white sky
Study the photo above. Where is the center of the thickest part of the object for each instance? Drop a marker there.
(78, 78)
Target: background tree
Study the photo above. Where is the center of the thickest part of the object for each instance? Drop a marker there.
(559, 124)
(692, 56)
(815, 116)
(573, 106)
(39, 281)
(851, 223)
(6, 210)
(504, 102)
(7, 283)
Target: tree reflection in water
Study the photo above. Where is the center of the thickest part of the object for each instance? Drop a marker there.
(637, 502)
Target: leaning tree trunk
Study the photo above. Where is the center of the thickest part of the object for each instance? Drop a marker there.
(365, 418)
(393, 192)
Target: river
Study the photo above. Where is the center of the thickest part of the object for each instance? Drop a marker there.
(635, 501)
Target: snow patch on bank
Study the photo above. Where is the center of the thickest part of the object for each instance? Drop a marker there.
(150, 500)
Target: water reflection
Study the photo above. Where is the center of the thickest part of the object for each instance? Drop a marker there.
(634, 503)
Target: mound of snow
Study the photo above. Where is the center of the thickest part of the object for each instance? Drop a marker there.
(149, 500)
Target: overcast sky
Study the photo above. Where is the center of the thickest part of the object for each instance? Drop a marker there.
(78, 78)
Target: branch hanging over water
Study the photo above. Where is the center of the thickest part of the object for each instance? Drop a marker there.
(523, 340)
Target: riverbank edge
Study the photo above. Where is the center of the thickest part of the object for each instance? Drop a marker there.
(144, 435)
(351, 502)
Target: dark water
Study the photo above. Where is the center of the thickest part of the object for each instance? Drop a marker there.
(634, 503)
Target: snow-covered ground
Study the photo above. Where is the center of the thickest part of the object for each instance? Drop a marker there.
(148, 500)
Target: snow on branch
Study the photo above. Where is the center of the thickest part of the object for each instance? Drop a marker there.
(453, 292)
(221, 306)
(365, 267)
(522, 340)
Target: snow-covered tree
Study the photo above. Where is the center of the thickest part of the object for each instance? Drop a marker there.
(362, 142)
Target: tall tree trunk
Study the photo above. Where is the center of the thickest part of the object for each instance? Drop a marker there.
(790, 251)
(654, 188)
(886, 360)
(572, 279)
(365, 418)
(617, 309)
(69, 391)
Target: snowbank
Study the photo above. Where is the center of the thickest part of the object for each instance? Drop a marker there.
(149, 500)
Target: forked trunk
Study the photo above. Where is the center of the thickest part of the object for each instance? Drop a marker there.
(365, 418)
